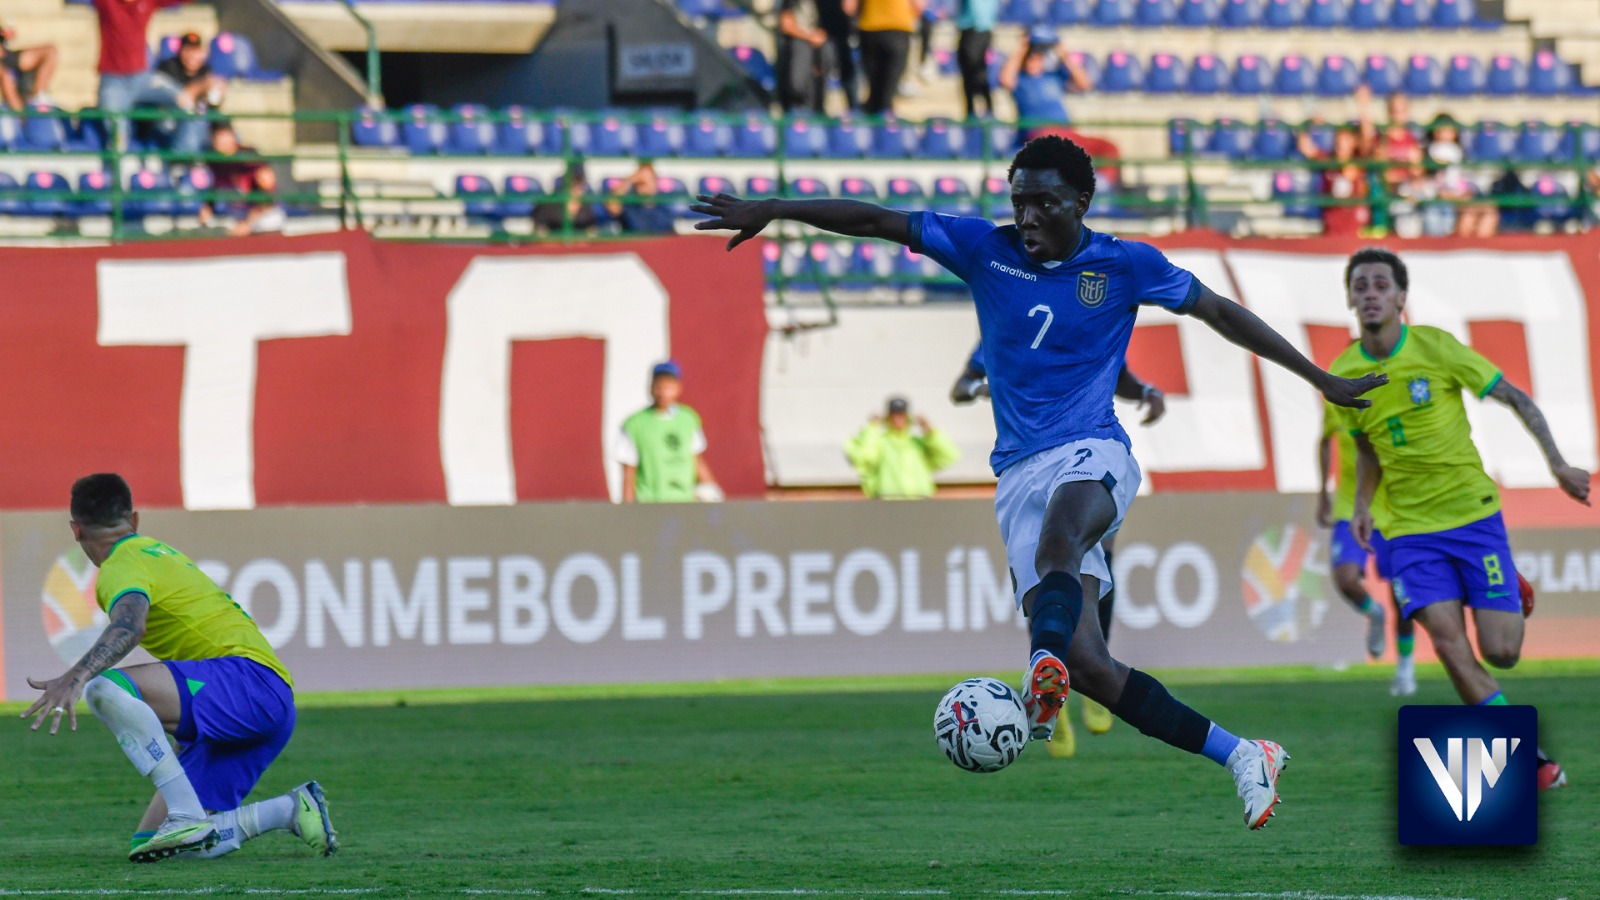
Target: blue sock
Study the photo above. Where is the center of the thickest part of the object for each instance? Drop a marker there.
(1056, 609)
(1219, 745)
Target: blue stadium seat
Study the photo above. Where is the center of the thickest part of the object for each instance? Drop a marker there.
(756, 136)
(657, 138)
(996, 198)
(803, 138)
(1549, 75)
(707, 136)
(478, 194)
(1166, 75)
(771, 260)
(702, 9)
(519, 195)
(1231, 139)
(944, 62)
(1090, 66)
(372, 129)
(421, 131)
(1155, 13)
(1250, 75)
(1559, 207)
(756, 66)
(868, 263)
(1579, 140)
(41, 131)
(1274, 142)
(909, 264)
(952, 197)
(858, 189)
(673, 194)
(1294, 76)
(904, 189)
(1207, 75)
(1464, 77)
(1283, 13)
(1507, 76)
(1454, 14)
(141, 196)
(1322, 137)
(9, 204)
(941, 139)
(1337, 77)
(1327, 14)
(1122, 73)
(1537, 142)
(1066, 12)
(1382, 74)
(1199, 13)
(1424, 75)
(997, 139)
(893, 139)
(760, 186)
(1240, 14)
(516, 135)
(1408, 14)
(10, 128)
(191, 186)
(167, 47)
(608, 137)
(1112, 13)
(472, 134)
(1368, 15)
(233, 56)
(1489, 142)
(94, 194)
(58, 195)
(1187, 134)
(712, 185)
(1024, 12)
(1293, 189)
(848, 139)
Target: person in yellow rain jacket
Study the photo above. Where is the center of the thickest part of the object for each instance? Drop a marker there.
(894, 462)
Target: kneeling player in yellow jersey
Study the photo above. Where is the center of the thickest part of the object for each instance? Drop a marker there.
(219, 690)
(1448, 546)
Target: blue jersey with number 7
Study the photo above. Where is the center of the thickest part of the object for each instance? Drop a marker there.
(1053, 337)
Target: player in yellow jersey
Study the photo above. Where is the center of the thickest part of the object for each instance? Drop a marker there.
(1349, 558)
(219, 690)
(1447, 541)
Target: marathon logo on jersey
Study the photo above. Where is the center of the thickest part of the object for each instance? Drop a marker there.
(1013, 271)
(1468, 775)
(1091, 288)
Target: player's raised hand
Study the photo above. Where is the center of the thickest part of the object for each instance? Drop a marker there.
(1348, 391)
(60, 698)
(729, 213)
(1574, 481)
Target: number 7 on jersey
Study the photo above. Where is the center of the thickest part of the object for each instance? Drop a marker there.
(1048, 318)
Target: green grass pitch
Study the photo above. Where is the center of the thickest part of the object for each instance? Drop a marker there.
(811, 788)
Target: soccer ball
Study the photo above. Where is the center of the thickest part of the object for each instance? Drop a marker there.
(981, 725)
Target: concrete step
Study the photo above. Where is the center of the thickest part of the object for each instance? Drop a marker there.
(456, 27)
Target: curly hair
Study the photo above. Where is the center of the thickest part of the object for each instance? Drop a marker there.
(1060, 154)
(1377, 255)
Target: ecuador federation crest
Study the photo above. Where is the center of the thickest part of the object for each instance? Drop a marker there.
(1091, 288)
(1420, 392)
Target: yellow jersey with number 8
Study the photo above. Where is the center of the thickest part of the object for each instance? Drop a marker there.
(1417, 424)
(190, 617)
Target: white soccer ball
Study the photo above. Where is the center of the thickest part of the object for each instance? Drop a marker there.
(981, 725)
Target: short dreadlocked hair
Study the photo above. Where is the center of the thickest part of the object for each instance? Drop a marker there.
(1378, 255)
(1060, 154)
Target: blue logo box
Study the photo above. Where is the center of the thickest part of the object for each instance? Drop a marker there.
(1469, 775)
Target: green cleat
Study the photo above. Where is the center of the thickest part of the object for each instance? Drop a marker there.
(176, 836)
(311, 823)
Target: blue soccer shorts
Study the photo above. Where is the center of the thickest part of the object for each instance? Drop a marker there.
(1471, 563)
(1344, 549)
(237, 717)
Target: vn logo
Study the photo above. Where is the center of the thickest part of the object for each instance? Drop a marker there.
(1462, 779)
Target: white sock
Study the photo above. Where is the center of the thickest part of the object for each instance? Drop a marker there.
(230, 836)
(139, 733)
(236, 826)
(1245, 748)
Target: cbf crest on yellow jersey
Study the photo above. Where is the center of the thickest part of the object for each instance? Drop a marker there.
(1417, 425)
(190, 617)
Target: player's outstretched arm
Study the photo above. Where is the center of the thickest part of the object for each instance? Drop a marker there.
(128, 616)
(1573, 480)
(847, 217)
(1245, 328)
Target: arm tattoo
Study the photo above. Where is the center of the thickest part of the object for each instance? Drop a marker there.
(119, 638)
(1528, 411)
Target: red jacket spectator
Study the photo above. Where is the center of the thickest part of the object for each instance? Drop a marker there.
(123, 24)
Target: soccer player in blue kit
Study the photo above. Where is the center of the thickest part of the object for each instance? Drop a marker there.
(1056, 304)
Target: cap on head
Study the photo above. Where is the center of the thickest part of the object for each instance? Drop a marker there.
(102, 499)
(669, 368)
(1043, 36)
(190, 40)
(898, 405)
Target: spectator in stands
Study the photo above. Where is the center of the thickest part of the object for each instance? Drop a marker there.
(1342, 177)
(1514, 216)
(894, 463)
(805, 56)
(124, 80)
(1451, 185)
(25, 72)
(1397, 183)
(189, 70)
(643, 216)
(885, 28)
(662, 447)
(240, 172)
(976, 20)
(576, 212)
(1039, 76)
(840, 28)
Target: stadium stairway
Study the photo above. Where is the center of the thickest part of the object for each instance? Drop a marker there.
(461, 26)
(1572, 26)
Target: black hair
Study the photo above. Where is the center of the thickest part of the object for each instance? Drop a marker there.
(101, 499)
(1377, 255)
(1058, 153)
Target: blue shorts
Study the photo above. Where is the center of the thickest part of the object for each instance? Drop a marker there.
(237, 716)
(1472, 564)
(1344, 549)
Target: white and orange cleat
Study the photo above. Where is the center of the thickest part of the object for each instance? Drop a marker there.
(1255, 774)
(1551, 775)
(1045, 691)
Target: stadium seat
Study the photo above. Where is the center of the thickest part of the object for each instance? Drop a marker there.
(144, 195)
(1085, 61)
(1294, 76)
(43, 130)
(1327, 14)
(517, 135)
(10, 128)
(167, 47)
(1274, 142)
(610, 136)
(1507, 76)
(1559, 206)
(756, 136)
(996, 197)
(57, 191)
(1368, 15)
(711, 185)
(1283, 13)
(1250, 75)
(867, 265)
(803, 138)
(1112, 13)
(1167, 75)
(657, 138)
(478, 194)
(94, 194)
(893, 139)
(952, 197)
(1537, 142)
(941, 139)
(848, 139)
(1187, 135)
(1231, 139)
(997, 139)
(1066, 12)
(1382, 74)
(760, 186)
(755, 65)
(1240, 14)
(372, 128)
(1489, 142)
(1207, 75)
(190, 187)
(421, 131)
(904, 189)
(1408, 14)
(9, 204)
(1579, 140)
(1322, 137)
(1549, 75)
(233, 56)
(1293, 190)
(1337, 76)
(1464, 77)
(771, 261)
(809, 188)
(472, 133)
(1424, 75)
(706, 137)
(711, 10)
(1198, 13)
(909, 264)
(1026, 13)
(1122, 73)
(944, 62)
(1155, 13)
(858, 189)
(1453, 14)
(519, 195)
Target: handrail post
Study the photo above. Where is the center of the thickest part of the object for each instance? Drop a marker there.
(374, 70)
